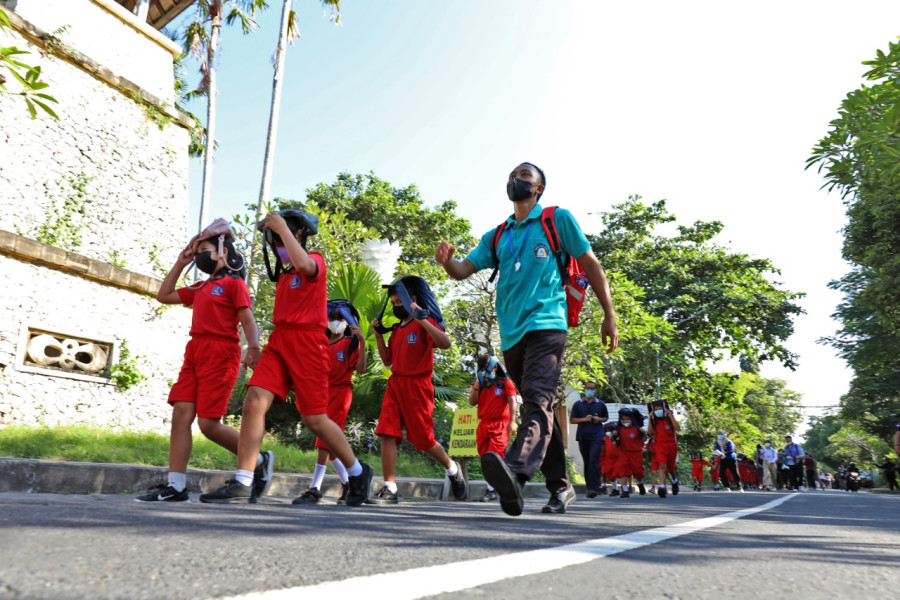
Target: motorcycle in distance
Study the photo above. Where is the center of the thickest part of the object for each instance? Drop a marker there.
(852, 478)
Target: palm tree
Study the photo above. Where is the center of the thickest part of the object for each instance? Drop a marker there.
(288, 33)
(201, 39)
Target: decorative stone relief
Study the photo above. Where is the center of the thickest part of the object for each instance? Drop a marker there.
(51, 353)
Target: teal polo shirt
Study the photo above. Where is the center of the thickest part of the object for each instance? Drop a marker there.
(531, 298)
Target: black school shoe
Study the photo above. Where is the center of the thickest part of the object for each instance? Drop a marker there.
(345, 491)
(560, 501)
(661, 491)
(625, 495)
(384, 497)
(641, 489)
(262, 475)
(232, 492)
(458, 484)
(359, 486)
(504, 482)
(674, 487)
(164, 493)
(310, 496)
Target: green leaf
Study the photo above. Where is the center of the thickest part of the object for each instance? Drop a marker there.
(31, 110)
(46, 108)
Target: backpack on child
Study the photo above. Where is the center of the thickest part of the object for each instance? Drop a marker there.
(572, 275)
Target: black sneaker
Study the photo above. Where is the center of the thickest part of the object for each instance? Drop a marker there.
(603, 490)
(490, 496)
(359, 486)
(232, 492)
(262, 475)
(560, 501)
(310, 496)
(384, 497)
(164, 493)
(345, 490)
(674, 487)
(661, 491)
(614, 493)
(505, 482)
(593, 493)
(458, 484)
(625, 495)
(641, 489)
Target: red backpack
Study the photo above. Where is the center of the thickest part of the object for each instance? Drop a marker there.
(572, 275)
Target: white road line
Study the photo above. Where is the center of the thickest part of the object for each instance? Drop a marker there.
(439, 579)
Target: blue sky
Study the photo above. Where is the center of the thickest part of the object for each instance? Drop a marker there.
(713, 106)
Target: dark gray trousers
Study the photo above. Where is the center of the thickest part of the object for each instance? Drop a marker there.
(534, 364)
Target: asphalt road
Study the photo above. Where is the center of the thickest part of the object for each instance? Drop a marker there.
(812, 545)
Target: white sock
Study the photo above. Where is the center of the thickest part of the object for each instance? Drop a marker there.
(615, 485)
(340, 469)
(489, 487)
(356, 469)
(391, 485)
(178, 480)
(244, 477)
(452, 470)
(318, 476)
(662, 486)
(259, 459)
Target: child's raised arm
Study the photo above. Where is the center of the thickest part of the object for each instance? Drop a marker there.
(360, 366)
(167, 293)
(383, 352)
(440, 337)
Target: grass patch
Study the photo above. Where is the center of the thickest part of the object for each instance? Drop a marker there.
(88, 444)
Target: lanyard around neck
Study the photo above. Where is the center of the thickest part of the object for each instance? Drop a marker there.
(517, 258)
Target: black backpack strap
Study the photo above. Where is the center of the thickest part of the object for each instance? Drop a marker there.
(495, 241)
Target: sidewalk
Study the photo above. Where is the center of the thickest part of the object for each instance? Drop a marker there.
(53, 477)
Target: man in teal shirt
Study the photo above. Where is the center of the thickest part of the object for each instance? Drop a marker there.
(531, 311)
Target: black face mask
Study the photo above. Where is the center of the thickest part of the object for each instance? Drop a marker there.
(518, 189)
(400, 312)
(205, 262)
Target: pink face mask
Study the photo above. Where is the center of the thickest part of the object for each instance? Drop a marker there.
(283, 255)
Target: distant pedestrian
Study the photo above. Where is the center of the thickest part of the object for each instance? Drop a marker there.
(809, 464)
(794, 455)
(727, 454)
(769, 466)
(590, 413)
(663, 431)
(890, 473)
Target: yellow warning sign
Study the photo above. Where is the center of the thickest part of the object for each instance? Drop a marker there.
(462, 434)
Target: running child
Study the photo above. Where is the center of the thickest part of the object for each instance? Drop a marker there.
(494, 394)
(609, 458)
(697, 465)
(409, 400)
(347, 353)
(663, 429)
(296, 356)
(212, 357)
(631, 447)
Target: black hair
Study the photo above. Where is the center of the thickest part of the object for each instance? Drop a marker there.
(483, 361)
(235, 260)
(541, 173)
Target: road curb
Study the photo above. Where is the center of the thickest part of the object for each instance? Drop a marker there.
(58, 477)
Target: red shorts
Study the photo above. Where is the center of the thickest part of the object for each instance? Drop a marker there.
(340, 398)
(630, 464)
(210, 368)
(697, 472)
(295, 358)
(408, 405)
(492, 436)
(664, 454)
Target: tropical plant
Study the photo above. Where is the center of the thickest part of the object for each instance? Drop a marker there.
(28, 77)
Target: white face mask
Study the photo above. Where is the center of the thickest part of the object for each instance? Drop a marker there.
(337, 327)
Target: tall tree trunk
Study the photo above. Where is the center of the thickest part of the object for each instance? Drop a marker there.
(210, 116)
(274, 112)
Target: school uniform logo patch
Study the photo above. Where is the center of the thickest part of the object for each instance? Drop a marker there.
(412, 338)
(582, 281)
(218, 290)
(498, 391)
(295, 282)
(541, 252)
(341, 356)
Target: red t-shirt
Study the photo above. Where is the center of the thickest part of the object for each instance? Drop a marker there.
(663, 431)
(493, 401)
(342, 361)
(301, 300)
(630, 439)
(412, 350)
(216, 304)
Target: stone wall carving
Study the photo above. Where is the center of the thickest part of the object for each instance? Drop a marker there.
(65, 353)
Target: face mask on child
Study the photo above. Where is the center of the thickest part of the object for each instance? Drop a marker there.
(400, 312)
(205, 263)
(626, 423)
(659, 413)
(721, 436)
(337, 327)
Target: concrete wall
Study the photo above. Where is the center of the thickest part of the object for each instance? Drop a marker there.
(132, 210)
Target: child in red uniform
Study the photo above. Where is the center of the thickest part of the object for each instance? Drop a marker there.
(347, 353)
(494, 394)
(409, 400)
(609, 457)
(631, 459)
(212, 357)
(663, 428)
(295, 356)
(697, 464)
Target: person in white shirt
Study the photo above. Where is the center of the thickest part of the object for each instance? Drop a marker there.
(770, 471)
